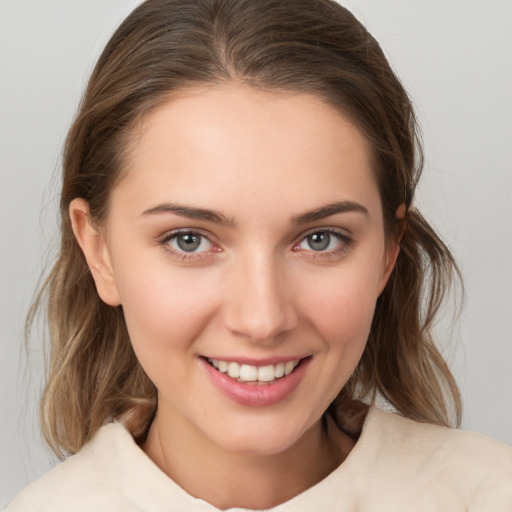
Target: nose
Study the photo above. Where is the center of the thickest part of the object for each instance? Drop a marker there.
(259, 306)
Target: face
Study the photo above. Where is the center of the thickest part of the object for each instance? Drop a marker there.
(246, 241)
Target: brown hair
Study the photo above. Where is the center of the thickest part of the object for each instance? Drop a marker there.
(313, 46)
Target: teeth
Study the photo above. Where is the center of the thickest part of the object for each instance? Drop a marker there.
(266, 373)
(234, 370)
(288, 367)
(248, 373)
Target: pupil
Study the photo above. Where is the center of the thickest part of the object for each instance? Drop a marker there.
(188, 242)
(319, 241)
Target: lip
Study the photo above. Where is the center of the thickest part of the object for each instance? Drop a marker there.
(258, 362)
(255, 395)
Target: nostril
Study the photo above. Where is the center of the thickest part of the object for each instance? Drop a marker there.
(260, 325)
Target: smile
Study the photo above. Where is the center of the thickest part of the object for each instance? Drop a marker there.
(254, 374)
(256, 385)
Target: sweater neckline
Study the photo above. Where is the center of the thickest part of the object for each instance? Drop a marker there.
(146, 485)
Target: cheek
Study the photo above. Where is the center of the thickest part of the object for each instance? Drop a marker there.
(340, 312)
(164, 310)
(341, 305)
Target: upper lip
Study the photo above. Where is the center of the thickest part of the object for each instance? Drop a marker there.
(258, 361)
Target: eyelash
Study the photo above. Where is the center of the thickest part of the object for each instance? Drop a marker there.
(345, 242)
(184, 255)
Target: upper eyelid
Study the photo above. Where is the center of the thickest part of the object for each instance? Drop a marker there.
(197, 231)
(320, 229)
(325, 229)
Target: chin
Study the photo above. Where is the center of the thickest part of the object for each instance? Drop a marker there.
(260, 436)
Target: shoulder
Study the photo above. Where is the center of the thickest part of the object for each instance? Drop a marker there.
(110, 473)
(424, 439)
(83, 481)
(453, 463)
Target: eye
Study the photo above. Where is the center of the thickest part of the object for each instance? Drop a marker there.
(319, 241)
(328, 241)
(188, 242)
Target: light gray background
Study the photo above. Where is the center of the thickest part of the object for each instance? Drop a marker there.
(455, 58)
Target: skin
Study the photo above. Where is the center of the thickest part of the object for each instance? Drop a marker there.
(254, 288)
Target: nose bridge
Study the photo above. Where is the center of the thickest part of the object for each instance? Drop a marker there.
(259, 305)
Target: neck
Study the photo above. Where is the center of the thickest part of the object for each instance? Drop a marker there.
(228, 479)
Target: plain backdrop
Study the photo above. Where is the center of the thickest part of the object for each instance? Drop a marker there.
(454, 57)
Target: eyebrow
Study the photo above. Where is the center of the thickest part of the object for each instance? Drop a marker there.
(218, 218)
(191, 213)
(328, 210)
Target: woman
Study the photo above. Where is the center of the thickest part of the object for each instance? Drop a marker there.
(242, 271)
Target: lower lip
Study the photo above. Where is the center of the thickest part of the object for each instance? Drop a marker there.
(257, 395)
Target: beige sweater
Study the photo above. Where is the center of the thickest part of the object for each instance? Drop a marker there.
(397, 465)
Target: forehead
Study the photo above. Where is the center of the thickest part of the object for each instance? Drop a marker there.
(231, 144)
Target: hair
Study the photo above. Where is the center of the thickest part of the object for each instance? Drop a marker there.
(305, 46)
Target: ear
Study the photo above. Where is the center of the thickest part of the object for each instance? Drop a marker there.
(393, 247)
(95, 249)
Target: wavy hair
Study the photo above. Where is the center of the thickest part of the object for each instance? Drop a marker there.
(311, 46)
